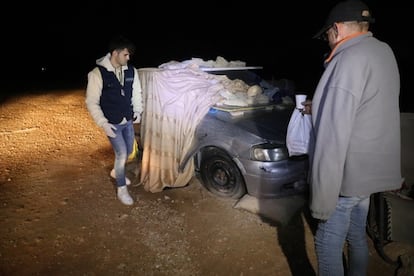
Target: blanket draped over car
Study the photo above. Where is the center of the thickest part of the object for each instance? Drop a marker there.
(175, 101)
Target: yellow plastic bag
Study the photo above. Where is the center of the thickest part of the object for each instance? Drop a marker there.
(134, 152)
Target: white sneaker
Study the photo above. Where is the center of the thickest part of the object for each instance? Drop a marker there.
(123, 196)
(112, 174)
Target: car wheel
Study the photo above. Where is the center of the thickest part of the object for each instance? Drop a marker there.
(220, 175)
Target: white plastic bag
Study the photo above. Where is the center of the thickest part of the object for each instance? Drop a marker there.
(298, 133)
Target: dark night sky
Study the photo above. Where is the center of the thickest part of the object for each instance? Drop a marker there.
(67, 38)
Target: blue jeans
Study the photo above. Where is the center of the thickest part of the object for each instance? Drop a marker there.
(347, 223)
(122, 145)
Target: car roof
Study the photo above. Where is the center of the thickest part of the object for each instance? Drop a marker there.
(246, 74)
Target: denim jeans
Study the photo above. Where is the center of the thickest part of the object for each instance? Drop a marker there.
(122, 145)
(347, 223)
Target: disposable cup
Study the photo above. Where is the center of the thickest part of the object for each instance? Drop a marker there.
(300, 98)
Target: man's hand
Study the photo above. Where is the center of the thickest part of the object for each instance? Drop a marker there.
(137, 118)
(109, 129)
(308, 107)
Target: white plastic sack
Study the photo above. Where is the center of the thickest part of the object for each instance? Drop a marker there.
(298, 133)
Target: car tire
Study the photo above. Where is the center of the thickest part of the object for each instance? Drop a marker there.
(220, 174)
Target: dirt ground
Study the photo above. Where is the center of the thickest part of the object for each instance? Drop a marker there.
(59, 213)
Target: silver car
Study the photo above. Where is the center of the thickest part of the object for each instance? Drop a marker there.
(246, 152)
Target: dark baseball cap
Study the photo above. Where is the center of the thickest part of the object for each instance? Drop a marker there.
(349, 10)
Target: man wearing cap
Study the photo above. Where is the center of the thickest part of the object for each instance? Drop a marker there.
(355, 150)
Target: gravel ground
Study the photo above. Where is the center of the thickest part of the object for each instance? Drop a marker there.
(59, 213)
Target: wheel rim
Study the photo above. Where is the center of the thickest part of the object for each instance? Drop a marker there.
(222, 179)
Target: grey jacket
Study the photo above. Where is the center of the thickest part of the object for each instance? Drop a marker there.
(355, 149)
